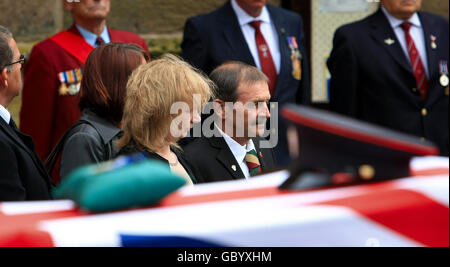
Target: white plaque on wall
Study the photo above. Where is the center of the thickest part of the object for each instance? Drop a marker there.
(338, 6)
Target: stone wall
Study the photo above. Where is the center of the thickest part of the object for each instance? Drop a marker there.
(32, 20)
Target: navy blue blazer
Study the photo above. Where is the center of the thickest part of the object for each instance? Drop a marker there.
(22, 174)
(373, 80)
(215, 38)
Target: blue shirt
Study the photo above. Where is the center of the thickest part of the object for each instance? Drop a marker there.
(91, 38)
(416, 33)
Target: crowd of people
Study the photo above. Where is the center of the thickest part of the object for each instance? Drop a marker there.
(91, 93)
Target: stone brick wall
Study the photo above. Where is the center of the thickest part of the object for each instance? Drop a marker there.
(33, 20)
(439, 7)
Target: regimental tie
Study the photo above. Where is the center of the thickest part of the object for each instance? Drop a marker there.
(265, 57)
(99, 41)
(417, 64)
(253, 164)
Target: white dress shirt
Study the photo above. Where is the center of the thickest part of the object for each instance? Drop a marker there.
(416, 33)
(91, 38)
(239, 152)
(268, 30)
(4, 114)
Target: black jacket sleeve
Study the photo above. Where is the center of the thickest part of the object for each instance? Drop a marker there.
(193, 46)
(344, 82)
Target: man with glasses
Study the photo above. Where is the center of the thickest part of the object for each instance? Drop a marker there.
(53, 72)
(22, 174)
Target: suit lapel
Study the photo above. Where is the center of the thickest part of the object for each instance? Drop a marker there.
(432, 57)
(281, 27)
(233, 34)
(382, 31)
(226, 157)
(432, 54)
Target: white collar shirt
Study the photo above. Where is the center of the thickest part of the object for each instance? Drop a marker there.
(4, 114)
(91, 38)
(416, 33)
(239, 152)
(268, 30)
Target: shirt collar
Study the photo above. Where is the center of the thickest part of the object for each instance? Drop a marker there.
(91, 38)
(395, 22)
(245, 18)
(4, 114)
(238, 151)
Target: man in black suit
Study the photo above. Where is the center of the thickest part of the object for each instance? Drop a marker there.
(235, 150)
(258, 34)
(22, 174)
(391, 69)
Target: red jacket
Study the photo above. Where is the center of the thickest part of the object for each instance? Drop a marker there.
(46, 115)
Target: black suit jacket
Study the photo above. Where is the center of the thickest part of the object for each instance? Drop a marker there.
(215, 38)
(214, 161)
(22, 174)
(374, 81)
(131, 149)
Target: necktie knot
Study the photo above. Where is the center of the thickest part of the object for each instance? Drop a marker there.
(256, 24)
(406, 26)
(99, 41)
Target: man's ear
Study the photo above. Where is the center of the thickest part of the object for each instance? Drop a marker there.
(219, 108)
(4, 78)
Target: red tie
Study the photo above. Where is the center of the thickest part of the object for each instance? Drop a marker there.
(99, 41)
(418, 68)
(265, 57)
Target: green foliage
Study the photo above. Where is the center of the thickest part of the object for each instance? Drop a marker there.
(161, 46)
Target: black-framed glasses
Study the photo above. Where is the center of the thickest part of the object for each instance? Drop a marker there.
(20, 61)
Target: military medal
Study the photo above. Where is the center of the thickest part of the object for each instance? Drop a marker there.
(74, 89)
(296, 58)
(433, 42)
(444, 80)
(70, 82)
(63, 88)
(443, 69)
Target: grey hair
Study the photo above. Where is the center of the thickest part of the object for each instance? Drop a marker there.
(230, 75)
(6, 51)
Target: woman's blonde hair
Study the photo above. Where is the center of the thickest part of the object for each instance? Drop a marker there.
(151, 90)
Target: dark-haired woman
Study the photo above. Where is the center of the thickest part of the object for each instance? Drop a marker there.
(102, 98)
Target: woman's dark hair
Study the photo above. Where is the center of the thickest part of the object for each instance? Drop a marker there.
(105, 76)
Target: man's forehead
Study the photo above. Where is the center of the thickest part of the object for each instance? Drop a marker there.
(255, 90)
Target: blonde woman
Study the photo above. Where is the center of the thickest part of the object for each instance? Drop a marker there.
(164, 100)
